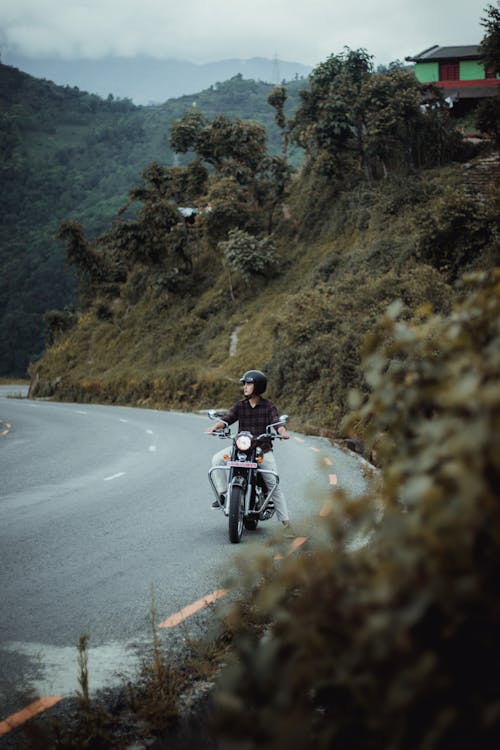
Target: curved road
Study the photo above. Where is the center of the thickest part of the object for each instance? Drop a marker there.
(101, 505)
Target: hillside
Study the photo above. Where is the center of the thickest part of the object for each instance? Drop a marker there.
(67, 154)
(343, 259)
(279, 269)
(379, 211)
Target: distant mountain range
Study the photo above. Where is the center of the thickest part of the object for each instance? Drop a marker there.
(147, 80)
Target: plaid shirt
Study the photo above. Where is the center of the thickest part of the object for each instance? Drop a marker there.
(253, 419)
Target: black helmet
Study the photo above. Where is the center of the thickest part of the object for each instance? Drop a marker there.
(258, 379)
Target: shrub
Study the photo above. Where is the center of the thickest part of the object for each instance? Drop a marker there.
(58, 323)
(249, 255)
(454, 233)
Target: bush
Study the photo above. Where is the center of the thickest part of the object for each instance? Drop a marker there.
(455, 233)
(249, 255)
(57, 324)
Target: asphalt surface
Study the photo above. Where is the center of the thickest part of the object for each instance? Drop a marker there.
(101, 506)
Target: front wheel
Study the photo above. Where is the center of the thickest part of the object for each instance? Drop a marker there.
(236, 513)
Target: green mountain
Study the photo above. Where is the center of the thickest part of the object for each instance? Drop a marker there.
(67, 154)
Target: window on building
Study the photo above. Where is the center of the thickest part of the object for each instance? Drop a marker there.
(449, 71)
(490, 73)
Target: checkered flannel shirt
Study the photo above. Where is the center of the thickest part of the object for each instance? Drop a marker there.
(253, 419)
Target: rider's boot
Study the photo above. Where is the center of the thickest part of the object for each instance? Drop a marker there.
(221, 502)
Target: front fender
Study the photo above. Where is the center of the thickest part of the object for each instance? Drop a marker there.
(239, 481)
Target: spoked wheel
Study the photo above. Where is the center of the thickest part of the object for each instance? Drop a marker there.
(236, 513)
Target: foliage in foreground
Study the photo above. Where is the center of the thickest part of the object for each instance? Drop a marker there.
(403, 651)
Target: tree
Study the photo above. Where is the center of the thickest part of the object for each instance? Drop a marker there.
(79, 253)
(220, 141)
(247, 184)
(356, 122)
(488, 112)
(91, 266)
(277, 99)
(490, 44)
(185, 133)
(389, 103)
(329, 123)
(488, 118)
(229, 205)
(248, 255)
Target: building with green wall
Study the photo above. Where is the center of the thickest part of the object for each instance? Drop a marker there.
(458, 72)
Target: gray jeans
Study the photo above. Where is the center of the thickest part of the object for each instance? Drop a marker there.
(269, 464)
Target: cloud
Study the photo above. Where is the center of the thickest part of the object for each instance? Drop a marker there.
(206, 30)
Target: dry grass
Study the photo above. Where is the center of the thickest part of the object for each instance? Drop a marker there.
(344, 258)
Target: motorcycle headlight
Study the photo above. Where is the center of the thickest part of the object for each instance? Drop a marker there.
(243, 442)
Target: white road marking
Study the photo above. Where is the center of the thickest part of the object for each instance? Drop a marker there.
(114, 476)
(149, 432)
(125, 421)
(152, 448)
(79, 412)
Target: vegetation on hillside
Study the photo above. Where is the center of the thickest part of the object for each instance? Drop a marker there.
(69, 155)
(376, 212)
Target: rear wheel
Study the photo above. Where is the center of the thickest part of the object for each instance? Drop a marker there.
(251, 523)
(236, 513)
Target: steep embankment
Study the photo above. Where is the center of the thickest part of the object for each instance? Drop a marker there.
(344, 258)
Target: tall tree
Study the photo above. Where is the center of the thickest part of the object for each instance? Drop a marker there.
(488, 112)
(329, 123)
(490, 44)
(220, 141)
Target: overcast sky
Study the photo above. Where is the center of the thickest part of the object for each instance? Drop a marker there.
(305, 31)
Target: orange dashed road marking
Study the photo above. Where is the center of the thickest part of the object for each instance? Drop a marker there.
(313, 448)
(326, 509)
(5, 432)
(297, 542)
(299, 440)
(332, 478)
(327, 461)
(186, 612)
(42, 704)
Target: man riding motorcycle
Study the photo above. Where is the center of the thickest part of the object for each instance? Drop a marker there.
(253, 413)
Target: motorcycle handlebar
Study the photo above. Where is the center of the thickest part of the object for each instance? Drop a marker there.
(225, 432)
(228, 434)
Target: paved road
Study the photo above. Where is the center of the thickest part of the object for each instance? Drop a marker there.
(100, 505)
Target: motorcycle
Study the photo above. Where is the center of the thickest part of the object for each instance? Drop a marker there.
(248, 500)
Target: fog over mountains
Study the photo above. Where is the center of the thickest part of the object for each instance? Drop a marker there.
(148, 80)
